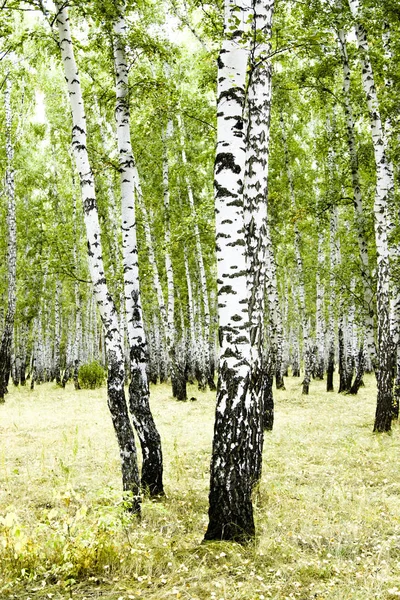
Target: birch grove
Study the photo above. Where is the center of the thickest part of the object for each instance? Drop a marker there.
(213, 191)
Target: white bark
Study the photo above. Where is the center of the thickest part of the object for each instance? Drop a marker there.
(300, 272)
(319, 317)
(237, 441)
(383, 196)
(139, 393)
(128, 177)
(115, 358)
(7, 337)
(370, 349)
(199, 258)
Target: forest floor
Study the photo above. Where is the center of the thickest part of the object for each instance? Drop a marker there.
(327, 510)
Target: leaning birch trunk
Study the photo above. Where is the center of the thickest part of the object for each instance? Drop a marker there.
(383, 196)
(7, 337)
(139, 393)
(370, 350)
(115, 358)
(236, 432)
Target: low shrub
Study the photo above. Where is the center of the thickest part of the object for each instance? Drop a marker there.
(91, 376)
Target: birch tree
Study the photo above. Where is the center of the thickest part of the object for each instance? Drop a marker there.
(139, 393)
(7, 337)
(358, 202)
(383, 196)
(237, 442)
(115, 358)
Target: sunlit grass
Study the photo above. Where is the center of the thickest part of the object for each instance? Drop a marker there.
(327, 510)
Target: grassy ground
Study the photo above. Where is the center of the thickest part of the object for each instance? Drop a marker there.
(328, 508)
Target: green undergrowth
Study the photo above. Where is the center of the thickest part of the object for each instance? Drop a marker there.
(327, 509)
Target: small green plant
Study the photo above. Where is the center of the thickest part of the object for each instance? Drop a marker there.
(91, 376)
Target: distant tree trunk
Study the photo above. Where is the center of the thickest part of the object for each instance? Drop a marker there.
(360, 368)
(320, 323)
(307, 352)
(332, 298)
(57, 333)
(23, 349)
(370, 350)
(343, 379)
(192, 335)
(139, 394)
(78, 336)
(7, 337)
(268, 396)
(275, 315)
(162, 320)
(206, 320)
(383, 197)
(178, 379)
(295, 354)
(115, 358)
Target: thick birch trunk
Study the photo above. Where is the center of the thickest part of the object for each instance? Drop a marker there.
(237, 432)
(115, 358)
(7, 337)
(258, 241)
(139, 394)
(383, 196)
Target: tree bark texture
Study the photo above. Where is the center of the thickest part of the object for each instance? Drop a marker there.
(383, 195)
(307, 351)
(115, 357)
(177, 370)
(206, 319)
(359, 214)
(139, 393)
(7, 337)
(234, 468)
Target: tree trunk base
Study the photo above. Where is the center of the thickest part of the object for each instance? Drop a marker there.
(230, 518)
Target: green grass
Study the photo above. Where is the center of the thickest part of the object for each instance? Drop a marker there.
(327, 510)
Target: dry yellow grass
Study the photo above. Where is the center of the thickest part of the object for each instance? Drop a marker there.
(327, 510)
